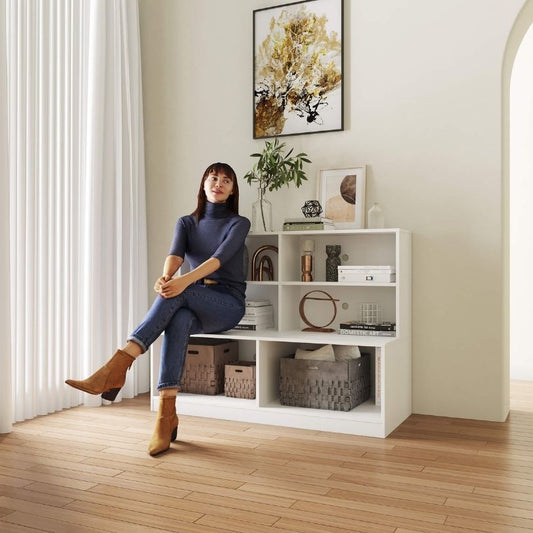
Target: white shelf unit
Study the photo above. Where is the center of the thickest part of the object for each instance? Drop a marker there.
(390, 401)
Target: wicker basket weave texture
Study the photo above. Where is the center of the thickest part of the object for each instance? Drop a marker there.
(333, 385)
(239, 380)
(204, 365)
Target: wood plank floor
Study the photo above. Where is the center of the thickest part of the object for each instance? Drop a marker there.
(87, 470)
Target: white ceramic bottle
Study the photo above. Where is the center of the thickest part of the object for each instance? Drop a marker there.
(376, 217)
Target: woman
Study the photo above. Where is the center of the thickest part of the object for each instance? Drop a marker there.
(209, 298)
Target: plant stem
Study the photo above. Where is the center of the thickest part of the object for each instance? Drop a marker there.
(261, 194)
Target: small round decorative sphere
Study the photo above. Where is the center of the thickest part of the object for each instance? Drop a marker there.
(311, 208)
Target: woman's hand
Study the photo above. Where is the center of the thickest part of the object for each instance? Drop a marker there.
(171, 266)
(173, 287)
(168, 287)
(160, 282)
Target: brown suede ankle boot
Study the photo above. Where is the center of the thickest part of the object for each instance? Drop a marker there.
(109, 379)
(166, 426)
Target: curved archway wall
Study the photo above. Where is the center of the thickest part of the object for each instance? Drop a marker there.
(519, 185)
(424, 108)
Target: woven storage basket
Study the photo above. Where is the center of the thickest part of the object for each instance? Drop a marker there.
(239, 380)
(204, 365)
(333, 385)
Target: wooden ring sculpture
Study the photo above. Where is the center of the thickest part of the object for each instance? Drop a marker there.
(326, 297)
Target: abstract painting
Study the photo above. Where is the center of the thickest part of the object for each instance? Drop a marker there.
(298, 68)
(341, 192)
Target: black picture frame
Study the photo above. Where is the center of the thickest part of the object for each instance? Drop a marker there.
(298, 71)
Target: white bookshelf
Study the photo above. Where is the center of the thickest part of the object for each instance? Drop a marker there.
(390, 401)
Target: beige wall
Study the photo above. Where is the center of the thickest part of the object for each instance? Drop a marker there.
(521, 214)
(423, 110)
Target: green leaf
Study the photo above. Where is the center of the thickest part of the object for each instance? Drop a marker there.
(276, 167)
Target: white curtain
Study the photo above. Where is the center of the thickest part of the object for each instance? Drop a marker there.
(77, 195)
(5, 318)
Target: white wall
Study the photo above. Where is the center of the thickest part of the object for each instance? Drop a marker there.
(521, 210)
(423, 110)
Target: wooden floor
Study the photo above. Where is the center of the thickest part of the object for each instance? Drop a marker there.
(87, 470)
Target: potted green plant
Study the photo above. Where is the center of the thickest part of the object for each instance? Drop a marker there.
(274, 168)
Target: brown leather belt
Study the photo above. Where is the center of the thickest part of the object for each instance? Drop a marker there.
(207, 281)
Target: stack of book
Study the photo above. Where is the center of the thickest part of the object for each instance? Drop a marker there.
(308, 224)
(356, 327)
(259, 314)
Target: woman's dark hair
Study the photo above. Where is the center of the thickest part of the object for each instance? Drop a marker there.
(233, 200)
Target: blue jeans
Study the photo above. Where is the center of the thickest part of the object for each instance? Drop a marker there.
(198, 309)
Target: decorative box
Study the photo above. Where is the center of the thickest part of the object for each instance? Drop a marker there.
(369, 274)
(239, 380)
(204, 365)
(333, 385)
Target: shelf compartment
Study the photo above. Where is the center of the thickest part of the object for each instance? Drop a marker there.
(268, 371)
(357, 248)
(319, 312)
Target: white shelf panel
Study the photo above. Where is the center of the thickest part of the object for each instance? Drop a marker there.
(297, 336)
(366, 412)
(318, 283)
(216, 400)
(327, 232)
(352, 423)
(365, 419)
(335, 284)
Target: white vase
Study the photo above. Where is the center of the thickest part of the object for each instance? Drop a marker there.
(376, 217)
(261, 213)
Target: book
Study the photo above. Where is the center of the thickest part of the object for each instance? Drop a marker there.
(257, 303)
(314, 221)
(258, 320)
(358, 325)
(259, 311)
(367, 333)
(308, 220)
(305, 226)
(258, 316)
(251, 327)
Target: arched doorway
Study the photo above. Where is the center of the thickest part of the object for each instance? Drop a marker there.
(518, 199)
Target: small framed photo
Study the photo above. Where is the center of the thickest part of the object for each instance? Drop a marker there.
(341, 193)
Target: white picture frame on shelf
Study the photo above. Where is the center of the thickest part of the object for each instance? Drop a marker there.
(341, 193)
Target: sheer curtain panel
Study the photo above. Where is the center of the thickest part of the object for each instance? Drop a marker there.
(77, 195)
(6, 411)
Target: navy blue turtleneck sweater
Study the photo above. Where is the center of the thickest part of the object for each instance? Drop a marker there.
(220, 233)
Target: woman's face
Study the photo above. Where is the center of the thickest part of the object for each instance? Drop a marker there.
(218, 187)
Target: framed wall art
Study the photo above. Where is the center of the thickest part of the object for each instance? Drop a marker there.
(298, 68)
(341, 192)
